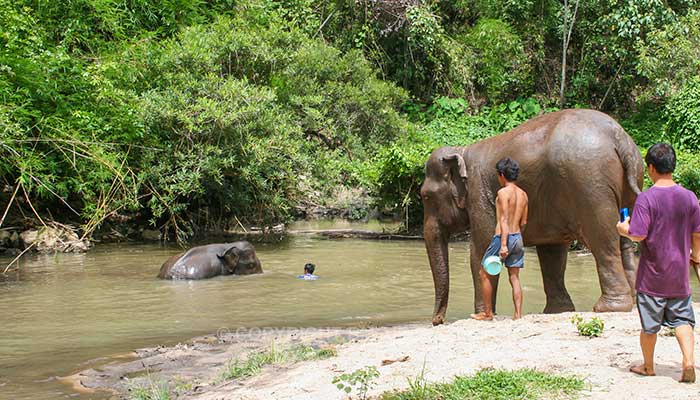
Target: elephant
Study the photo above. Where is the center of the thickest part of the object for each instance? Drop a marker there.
(211, 260)
(578, 167)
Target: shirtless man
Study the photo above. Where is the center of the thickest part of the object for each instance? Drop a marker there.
(507, 242)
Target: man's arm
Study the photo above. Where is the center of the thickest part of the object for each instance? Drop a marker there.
(523, 219)
(695, 249)
(623, 228)
(502, 200)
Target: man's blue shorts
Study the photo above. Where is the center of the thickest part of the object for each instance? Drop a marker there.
(516, 250)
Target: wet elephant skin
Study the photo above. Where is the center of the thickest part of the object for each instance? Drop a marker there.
(578, 167)
(201, 262)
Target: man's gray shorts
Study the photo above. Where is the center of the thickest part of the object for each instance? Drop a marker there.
(656, 311)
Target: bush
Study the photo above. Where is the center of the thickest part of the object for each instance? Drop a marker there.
(503, 68)
(247, 109)
(687, 172)
(683, 113)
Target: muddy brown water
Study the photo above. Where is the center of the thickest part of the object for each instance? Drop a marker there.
(59, 313)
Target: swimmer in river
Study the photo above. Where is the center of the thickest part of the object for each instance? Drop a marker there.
(309, 273)
(507, 242)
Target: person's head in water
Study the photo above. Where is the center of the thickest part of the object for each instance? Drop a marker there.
(662, 158)
(309, 268)
(508, 170)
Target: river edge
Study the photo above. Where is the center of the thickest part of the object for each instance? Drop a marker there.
(547, 342)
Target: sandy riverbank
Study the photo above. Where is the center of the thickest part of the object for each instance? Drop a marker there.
(545, 342)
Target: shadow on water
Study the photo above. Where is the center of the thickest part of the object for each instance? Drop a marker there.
(59, 311)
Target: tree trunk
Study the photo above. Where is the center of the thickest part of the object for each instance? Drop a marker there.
(566, 38)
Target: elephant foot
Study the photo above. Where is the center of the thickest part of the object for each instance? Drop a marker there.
(555, 308)
(620, 303)
(438, 319)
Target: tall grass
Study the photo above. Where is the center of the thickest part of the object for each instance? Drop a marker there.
(493, 384)
(253, 364)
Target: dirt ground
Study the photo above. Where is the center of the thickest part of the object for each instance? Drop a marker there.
(545, 342)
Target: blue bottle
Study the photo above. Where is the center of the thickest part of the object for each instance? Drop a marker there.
(624, 213)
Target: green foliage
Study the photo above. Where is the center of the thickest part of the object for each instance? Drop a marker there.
(253, 108)
(687, 172)
(493, 384)
(89, 25)
(592, 328)
(503, 69)
(359, 381)
(671, 55)
(298, 13)
(437, 60)
(683, 113)
(647, 126)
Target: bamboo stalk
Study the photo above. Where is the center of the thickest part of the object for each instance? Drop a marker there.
(32, 206)
(17, 258)
(9, 204)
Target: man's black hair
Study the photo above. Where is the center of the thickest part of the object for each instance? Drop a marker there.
(509, 168)
(309, 267)
(662, 157)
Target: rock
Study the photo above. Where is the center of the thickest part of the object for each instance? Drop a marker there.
(149, 234)
(14, 239)
(55, 237)
(278, 228)
(4, 238)
(29, 237)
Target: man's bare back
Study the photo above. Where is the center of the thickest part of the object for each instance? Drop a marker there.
(511, 209)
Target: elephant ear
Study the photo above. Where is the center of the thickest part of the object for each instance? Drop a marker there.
(230, 257)
(458, 177)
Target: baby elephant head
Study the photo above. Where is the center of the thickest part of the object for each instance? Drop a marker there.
(240, 259)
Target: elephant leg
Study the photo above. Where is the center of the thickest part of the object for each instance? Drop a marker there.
(629, 264)
(436, 245)
(553, 265)
(476, 253)
(604, 242)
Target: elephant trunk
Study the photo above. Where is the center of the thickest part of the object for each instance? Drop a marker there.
(436, 246)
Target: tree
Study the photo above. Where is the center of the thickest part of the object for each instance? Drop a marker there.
(568, 20)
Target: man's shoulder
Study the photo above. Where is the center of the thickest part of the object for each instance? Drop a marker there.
(691, 195)
(504, 191)
(521, 191)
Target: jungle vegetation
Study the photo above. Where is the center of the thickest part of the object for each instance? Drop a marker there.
(193, 114)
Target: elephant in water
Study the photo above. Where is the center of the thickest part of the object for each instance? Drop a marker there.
(203, 262)
(578, 167)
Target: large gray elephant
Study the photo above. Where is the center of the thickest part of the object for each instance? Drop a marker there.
(202, 262)
(578, 167)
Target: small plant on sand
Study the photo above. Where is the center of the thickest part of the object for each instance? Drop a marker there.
(492, 384)
(592, 328)
(360, 381)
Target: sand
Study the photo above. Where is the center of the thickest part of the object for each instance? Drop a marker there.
(545, 342)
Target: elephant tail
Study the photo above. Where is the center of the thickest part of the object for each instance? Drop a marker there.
(632, 163)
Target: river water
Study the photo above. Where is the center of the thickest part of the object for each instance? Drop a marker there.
(60, 311)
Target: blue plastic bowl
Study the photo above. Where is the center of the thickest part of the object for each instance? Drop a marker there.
(492, 265)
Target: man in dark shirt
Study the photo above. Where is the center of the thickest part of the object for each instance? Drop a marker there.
(666, 220)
